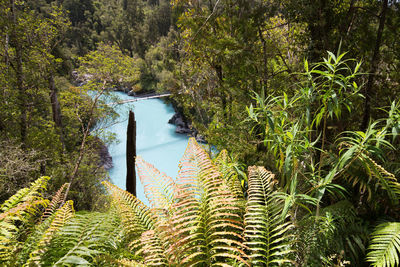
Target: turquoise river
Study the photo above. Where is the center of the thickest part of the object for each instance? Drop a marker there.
(156, 140)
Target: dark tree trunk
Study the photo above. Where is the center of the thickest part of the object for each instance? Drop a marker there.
(131, 155)
(374, 67)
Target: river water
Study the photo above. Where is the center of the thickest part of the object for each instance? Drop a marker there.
(156, 140)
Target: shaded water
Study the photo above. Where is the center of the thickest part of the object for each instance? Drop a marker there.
(156, 140)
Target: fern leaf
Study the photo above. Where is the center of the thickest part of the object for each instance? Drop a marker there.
(56, 201)
(129, 263)
(48, 230)
(158, 187)
(266, 232)
(136, 216)
(82, 239)
(207, 223)
(385, 245)
(26, 194)
(137, 219)
(14, 222)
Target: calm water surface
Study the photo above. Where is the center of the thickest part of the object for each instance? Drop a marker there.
(156, 140)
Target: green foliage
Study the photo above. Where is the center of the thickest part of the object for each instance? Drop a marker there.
(200, 218)
(108, 64)
(266, 231)
(18, 215)
(82, 239)
(385, 245)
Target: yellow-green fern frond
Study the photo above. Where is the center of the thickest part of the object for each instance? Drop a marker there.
(266, 232)
(207, 225)
(152, 249)
(56, 201)
(82, 239)
(129, 263)
(26, 194)
(385, 245)
(158, 187)
(136, 217)
(13, 224)
(39, 241)
(18, 217)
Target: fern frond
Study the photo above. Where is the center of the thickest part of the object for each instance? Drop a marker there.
(46, 231)
(158, 187)
(56, 201)
(26, 194)
(266, 232)
(83, 237)
(152, 249)
(207, 224)
(386, 180)
(136, 217)
(385, 245)
(14, 223)
(129, 263)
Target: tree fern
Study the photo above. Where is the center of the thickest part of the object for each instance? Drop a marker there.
(158, 187)
(207, 223)
(36, 244)
(82, 239)
(385, 245)
(266, 232)
(18, 217)
(56, 201)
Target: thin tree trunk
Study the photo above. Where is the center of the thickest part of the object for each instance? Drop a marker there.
(131, 155)
(56, 109)
(86, 132)
(374, 66)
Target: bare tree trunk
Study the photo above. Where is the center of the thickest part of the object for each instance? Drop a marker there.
(131, 155)
(374, 66)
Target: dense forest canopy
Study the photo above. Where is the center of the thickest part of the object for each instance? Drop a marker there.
(300, 98)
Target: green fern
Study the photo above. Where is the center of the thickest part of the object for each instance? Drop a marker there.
(208, 218)
(36, 244)
(18, 217)
(159, 188)
(82, 239)
(266, 232)
(385, 245)
(26, 194)
(56, 201)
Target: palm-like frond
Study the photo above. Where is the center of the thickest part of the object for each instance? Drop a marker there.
(136, 217)
(26, 194)
(385, 245)
(266, 232)
(56, 201)
(158, 187)
(18, 217)
(207, 223)
(82, 239)
(37, 242)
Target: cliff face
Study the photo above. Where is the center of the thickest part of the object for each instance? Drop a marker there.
(105, 157)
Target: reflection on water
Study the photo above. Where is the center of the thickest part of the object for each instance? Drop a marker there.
(156, 140)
